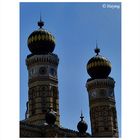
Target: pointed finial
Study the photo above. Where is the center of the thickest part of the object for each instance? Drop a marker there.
(96, 44)
(40, 23)
(81, 116)
(97, 50)
(40, 17)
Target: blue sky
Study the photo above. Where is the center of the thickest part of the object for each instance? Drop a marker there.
(76, 27)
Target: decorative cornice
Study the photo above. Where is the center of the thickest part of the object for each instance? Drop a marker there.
(41, 59)
(46, 79)
(100, 83)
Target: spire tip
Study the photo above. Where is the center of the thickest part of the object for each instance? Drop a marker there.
(97, 50)
(40, 23)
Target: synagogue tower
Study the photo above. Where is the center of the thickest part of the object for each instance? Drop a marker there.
(101, 95)
(42, 66)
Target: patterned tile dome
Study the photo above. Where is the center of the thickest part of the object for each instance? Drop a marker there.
(41, 41)
(98, 67)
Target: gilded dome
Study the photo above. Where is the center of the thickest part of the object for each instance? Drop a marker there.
(98, 67)
(41, 41)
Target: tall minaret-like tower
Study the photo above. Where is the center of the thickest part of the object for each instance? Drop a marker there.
(100, 89)
(42, 76)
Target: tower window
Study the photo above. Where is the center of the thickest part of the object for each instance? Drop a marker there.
(52, 72)
(42, 70)
(102, 93)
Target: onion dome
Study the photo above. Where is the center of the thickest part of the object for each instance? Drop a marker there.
(82, 125)
(98, 67)
(41, 41)
(50, 117)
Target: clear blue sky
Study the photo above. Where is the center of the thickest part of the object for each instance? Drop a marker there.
(76, 27)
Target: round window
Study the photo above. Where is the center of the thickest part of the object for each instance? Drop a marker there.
(42, 70)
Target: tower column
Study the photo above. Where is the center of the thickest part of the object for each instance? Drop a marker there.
(100, 89)
(102, 107)
(42, 66)
(43, 86)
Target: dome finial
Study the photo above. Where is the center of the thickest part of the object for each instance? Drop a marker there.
(81, 116)
(40, 23)
(40, 17)
(97, 50)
